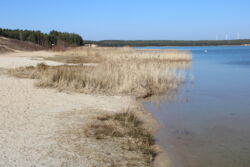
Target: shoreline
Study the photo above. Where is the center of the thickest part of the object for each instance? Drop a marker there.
(101, 103)
(188, 46)
(152, 124)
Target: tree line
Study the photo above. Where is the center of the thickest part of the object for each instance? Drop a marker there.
(71, 39)
(44, 39)
(141, 43)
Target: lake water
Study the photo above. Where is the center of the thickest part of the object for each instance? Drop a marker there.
(207, 124)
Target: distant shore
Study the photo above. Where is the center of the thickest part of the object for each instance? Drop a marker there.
(166, 43)
(52, 40)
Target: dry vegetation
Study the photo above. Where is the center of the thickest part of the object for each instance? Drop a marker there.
(126, 130)
(81, 55)
(123, 71)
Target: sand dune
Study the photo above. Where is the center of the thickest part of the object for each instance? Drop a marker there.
(13, 45)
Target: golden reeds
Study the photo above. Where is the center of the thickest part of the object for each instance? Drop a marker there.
(98, 54)
(124, 71)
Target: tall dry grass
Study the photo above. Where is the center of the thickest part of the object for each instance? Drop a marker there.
(99, 54)
(125, 71)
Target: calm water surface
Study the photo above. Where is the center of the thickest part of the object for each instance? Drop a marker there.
(207, 124)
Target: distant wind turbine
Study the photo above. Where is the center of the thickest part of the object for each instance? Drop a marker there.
(238, 35)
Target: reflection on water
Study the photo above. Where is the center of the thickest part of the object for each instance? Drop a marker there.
(208, 124)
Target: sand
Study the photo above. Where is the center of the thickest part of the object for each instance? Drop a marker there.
(30, 118)
(19, 59)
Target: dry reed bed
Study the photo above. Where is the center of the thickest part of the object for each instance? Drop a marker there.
(99, 54)
(125, 71)
(137, 78)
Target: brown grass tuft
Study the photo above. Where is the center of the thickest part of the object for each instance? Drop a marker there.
(126, 129)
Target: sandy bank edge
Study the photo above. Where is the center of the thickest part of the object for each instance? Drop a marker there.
(153, 125)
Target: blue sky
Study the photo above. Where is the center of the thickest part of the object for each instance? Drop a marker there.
(131, 19)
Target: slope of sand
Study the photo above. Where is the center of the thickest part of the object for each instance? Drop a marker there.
(12, 45)
(19, 59)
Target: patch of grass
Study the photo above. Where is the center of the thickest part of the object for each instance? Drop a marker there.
(126, 129)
